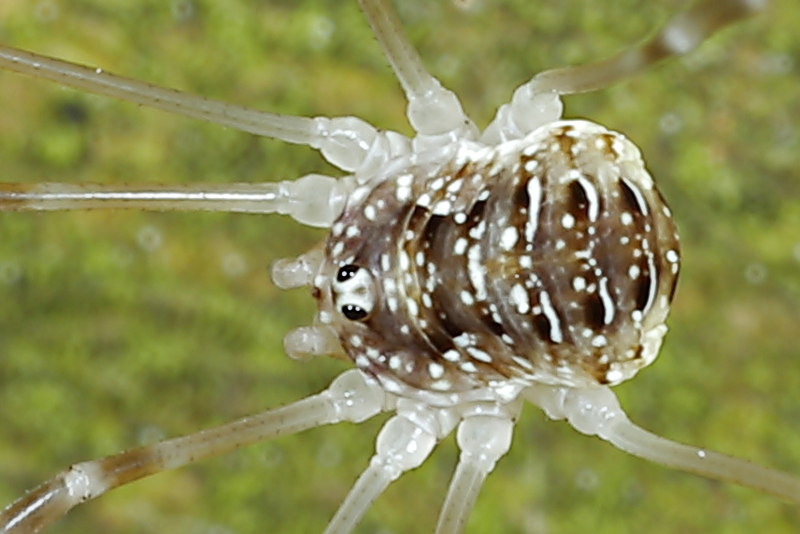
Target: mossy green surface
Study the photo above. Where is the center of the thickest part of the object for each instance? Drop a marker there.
(119, 328)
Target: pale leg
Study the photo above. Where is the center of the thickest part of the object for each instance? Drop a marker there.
(597, 412)
(349, 398)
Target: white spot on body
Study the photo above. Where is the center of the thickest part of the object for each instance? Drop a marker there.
(579, 283)
(476, 271)
(534, 189)
(468, 367)
(426, 300)
(555, 324)
(508, 238)
(608, 302)
(476, 232)
(460, 246)
(651, 290)
(479, 354)
(522, 362)
(591, 196)
(403, 194)
(671, 256)
(442, 207)
(465, 339)
(520, 298)
(412, 306)
(435, 370)
(455, 186)
(452, 355)
(405, 262)
(405, 180)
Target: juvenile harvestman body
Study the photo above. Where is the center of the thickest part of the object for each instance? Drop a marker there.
(535, 260)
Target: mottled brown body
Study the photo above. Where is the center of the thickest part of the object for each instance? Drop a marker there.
(551, 259)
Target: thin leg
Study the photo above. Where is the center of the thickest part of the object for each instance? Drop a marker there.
(314, 199)
(680, 35)
(536, 102)
(432, 109)
(349, 398)
(290, 273)
(597, 412)
(401, 445)
(305, 342)
(344, 141)
(482, 439)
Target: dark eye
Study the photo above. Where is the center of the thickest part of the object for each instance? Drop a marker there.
(353, 312)
(346, 273)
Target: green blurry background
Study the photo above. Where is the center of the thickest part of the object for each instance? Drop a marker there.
(118, 329)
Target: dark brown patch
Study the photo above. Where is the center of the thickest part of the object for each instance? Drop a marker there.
(629, 198)
(521, 196)
(449, 326)
(673, 286)
(495, 327)
(476, 213)
(542, 325)
(578, 201)
(595, 311)
(432, 228)
(642, 291)
(441, 340)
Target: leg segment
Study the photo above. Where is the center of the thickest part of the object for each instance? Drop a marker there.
(344, 141)
(432, 109)
(482, 438)
(401, 445)
(314, 199)
(597, 412)
(536, 102)
(682, 34)
(349, 398)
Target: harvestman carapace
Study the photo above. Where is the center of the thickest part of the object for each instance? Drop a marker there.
(465, 272)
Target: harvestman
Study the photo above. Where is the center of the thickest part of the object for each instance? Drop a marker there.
(464, 388)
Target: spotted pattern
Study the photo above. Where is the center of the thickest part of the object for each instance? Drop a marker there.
(549, 259)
